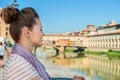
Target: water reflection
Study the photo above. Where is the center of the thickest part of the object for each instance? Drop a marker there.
(98, 68)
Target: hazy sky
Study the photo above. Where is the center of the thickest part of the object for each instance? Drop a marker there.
(61, 16)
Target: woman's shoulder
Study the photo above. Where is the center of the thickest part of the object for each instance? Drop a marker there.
(18, 65)
(16, 57)
(15, 60)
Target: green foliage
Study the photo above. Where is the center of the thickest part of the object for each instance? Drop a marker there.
(44, 48)
(69, 50)
(110, 54)
(95, 52)
(113, 55)
(47, 48)
(109, 50)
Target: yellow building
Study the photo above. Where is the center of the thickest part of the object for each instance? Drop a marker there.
(70, 40)
(62, 42)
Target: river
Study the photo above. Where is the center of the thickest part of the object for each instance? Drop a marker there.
(96, 67)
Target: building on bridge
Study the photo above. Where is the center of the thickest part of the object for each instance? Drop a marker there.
(106, 37)
(70, 40)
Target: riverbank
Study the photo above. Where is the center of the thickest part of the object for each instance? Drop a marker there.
(111, 55)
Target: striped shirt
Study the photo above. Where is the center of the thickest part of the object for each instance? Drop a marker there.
(17, 68)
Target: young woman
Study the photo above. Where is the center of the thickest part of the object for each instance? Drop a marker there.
(26, 31)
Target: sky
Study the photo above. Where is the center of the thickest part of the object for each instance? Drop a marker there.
(62, 16)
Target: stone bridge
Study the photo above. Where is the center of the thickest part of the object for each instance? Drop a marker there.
(60, 50)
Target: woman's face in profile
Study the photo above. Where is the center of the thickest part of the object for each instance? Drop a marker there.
(36, 34)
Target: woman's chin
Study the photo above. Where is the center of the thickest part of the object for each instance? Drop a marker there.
(39, 45)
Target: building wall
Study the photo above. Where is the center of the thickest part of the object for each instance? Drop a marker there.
(74, 40)
(105, 41)
(4, 30)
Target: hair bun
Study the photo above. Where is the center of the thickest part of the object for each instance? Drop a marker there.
(8, 15)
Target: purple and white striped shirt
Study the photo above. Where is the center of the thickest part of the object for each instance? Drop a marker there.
(31, 59)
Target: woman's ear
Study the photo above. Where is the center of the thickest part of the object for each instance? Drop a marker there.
(26, 32)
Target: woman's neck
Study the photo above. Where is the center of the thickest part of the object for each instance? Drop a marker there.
(28, 46)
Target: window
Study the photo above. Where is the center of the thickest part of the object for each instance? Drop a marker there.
(6, 33)
(7, 28)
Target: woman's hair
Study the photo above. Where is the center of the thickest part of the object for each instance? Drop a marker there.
(18, 19)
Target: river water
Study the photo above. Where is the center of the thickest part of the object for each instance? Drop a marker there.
(96, 67)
